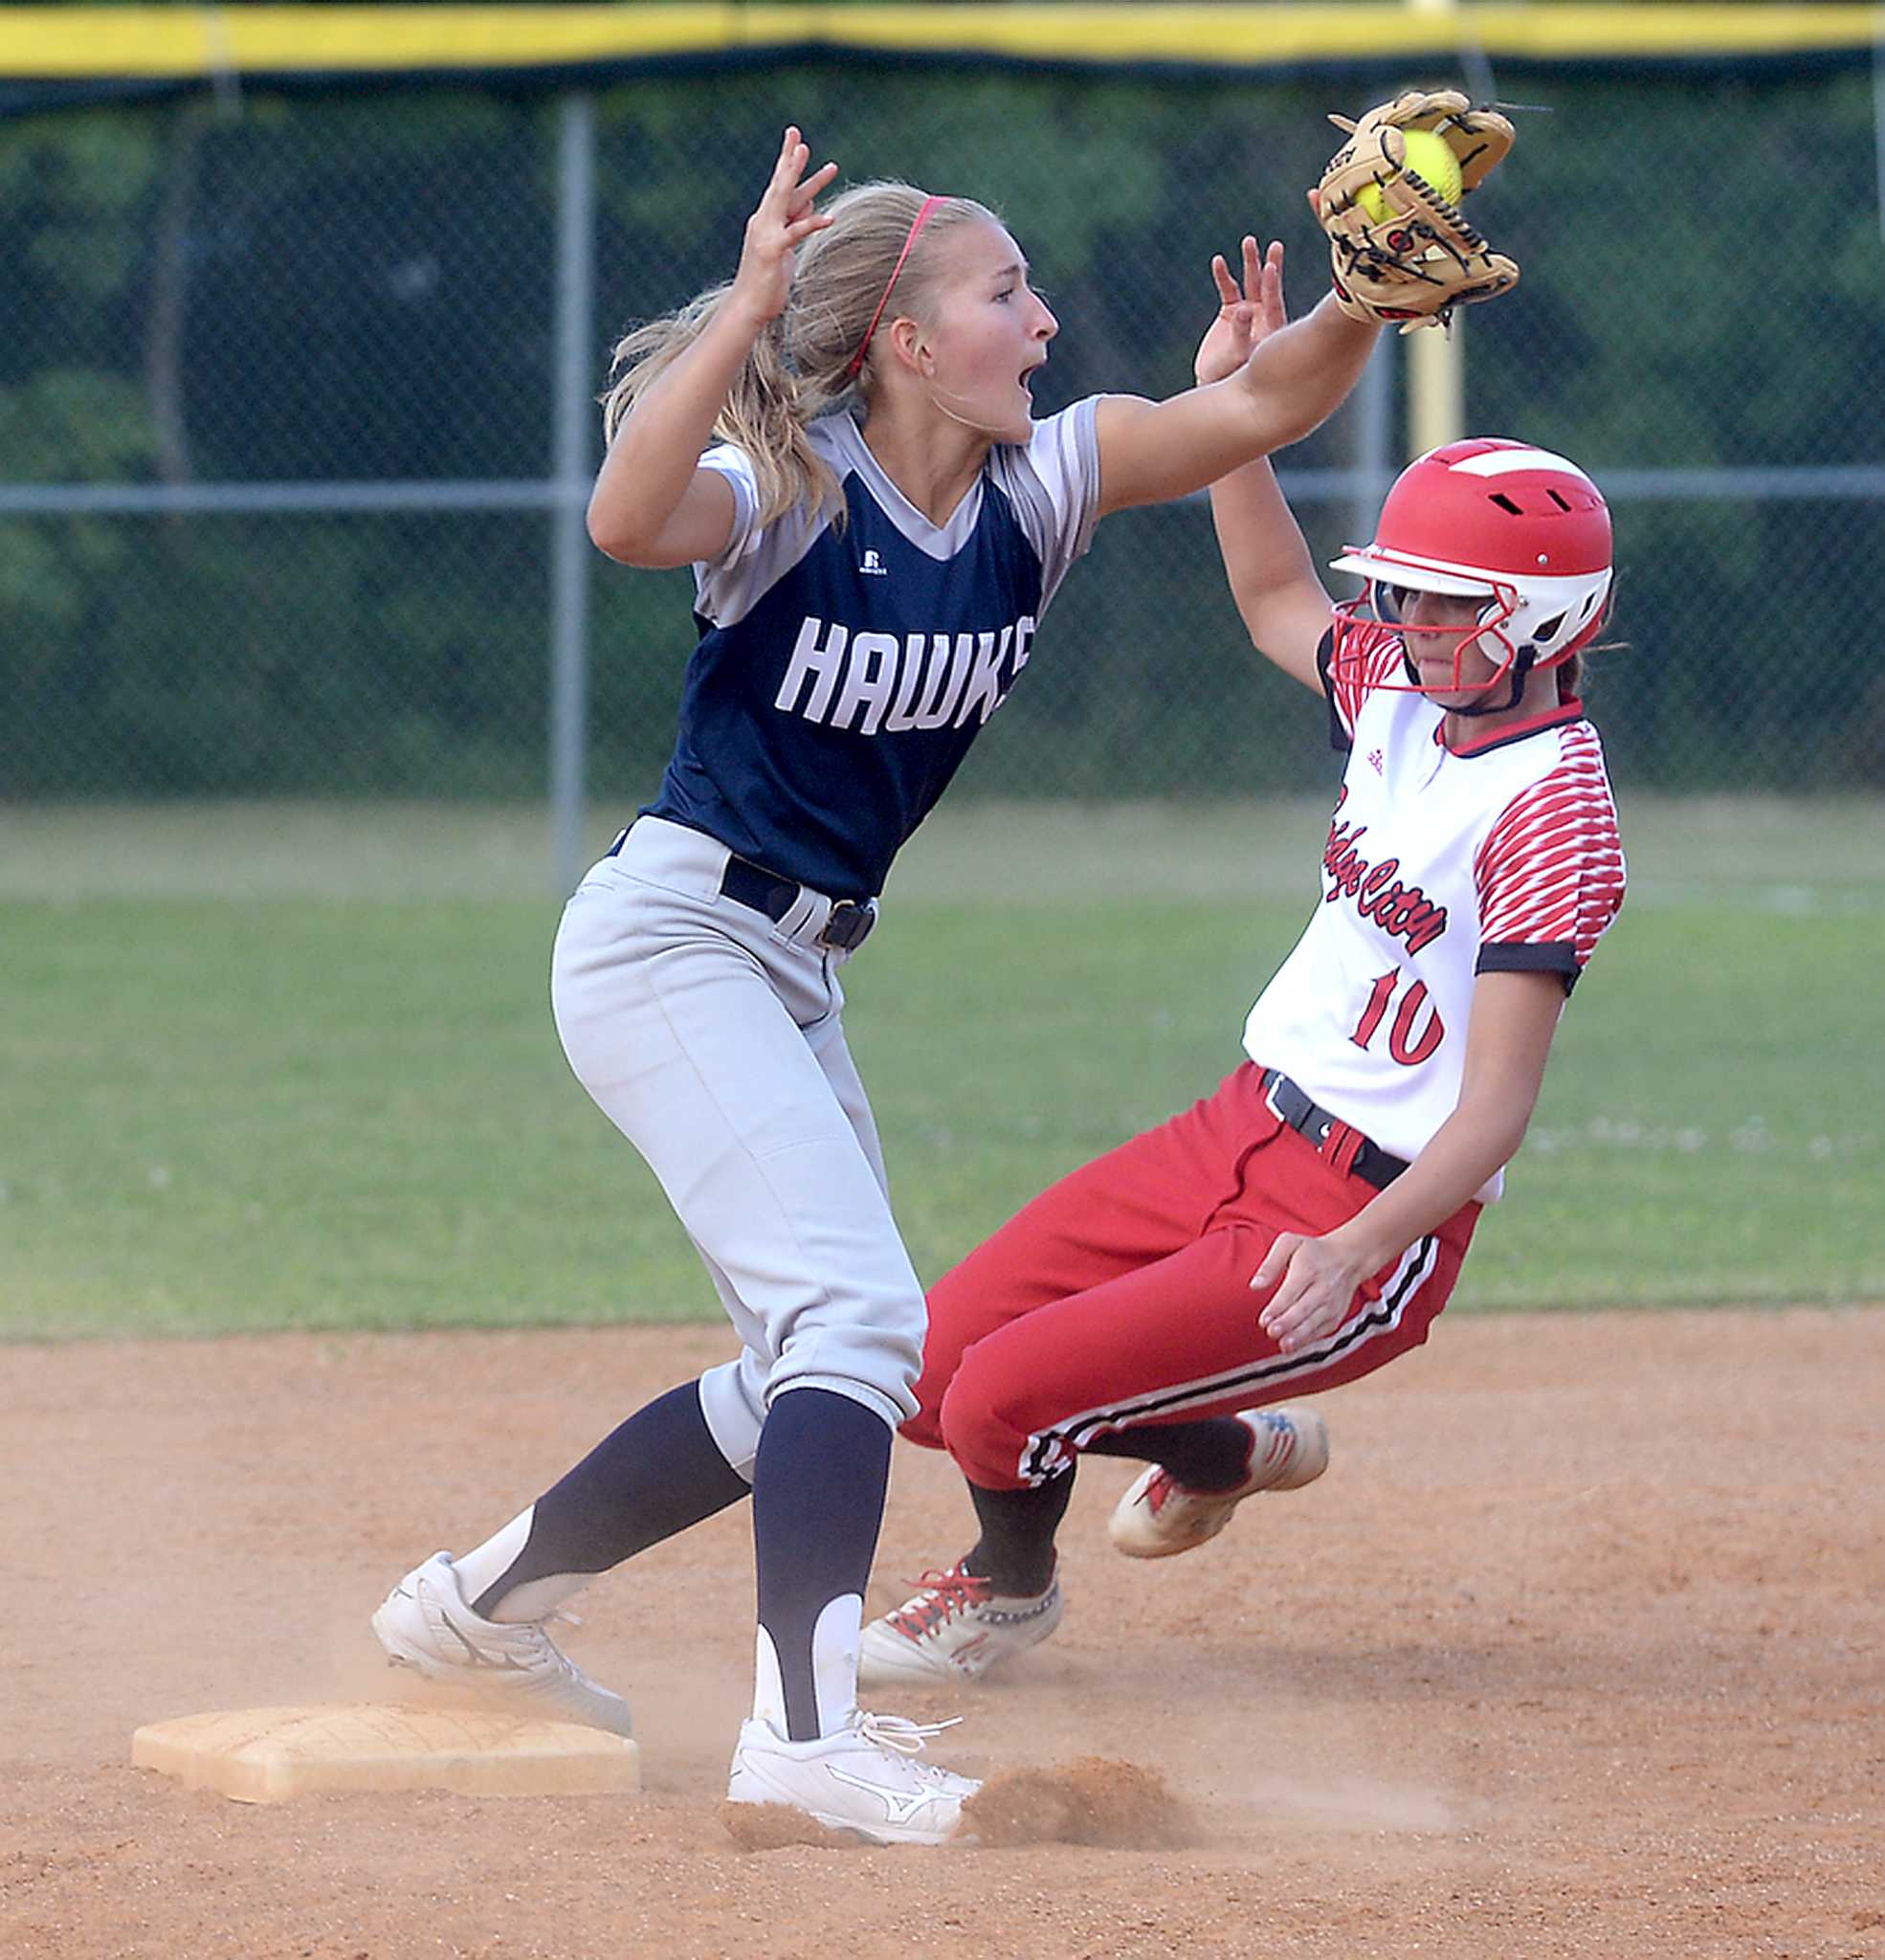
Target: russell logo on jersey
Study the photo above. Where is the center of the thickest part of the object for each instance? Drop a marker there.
(881, 682)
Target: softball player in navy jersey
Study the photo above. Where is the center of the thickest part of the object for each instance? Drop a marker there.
(843, 448)
(1305, 1223)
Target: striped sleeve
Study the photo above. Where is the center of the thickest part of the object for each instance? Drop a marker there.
(1054, 484)
(1370, 651)
(1550, 872)
(757, 555)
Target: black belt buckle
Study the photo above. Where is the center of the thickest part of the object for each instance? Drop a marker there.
(849, 925)
(749, 884)
(1309, 1119)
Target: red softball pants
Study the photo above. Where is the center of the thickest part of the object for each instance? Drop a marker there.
(1121, 1295)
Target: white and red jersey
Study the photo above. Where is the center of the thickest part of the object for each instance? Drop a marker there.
(1441, 864)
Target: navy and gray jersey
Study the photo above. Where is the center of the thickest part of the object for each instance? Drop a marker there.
(842, 671)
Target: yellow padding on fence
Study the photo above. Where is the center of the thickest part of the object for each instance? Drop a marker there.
(95, 43)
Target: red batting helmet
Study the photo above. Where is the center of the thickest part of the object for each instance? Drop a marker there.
(1489, 518)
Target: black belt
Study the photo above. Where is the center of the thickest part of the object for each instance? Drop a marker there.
(1312, 1121)
(751, 884)
(766, 891)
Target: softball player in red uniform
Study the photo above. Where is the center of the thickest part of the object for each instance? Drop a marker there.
(841, 444)
(1304, 1224)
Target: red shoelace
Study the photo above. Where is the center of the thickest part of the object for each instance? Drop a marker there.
(945, 1594)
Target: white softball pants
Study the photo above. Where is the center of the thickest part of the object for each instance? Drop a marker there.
(711, 1038)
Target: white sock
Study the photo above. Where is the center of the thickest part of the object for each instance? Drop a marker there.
(481, 1569)
(835, 1641)
(537, 1598)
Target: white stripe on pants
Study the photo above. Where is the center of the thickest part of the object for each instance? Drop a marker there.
(712, 1039)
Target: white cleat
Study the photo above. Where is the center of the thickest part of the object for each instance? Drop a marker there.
(864, 1779)
(1158, 1517)
(425, 1624)
(954, 1630)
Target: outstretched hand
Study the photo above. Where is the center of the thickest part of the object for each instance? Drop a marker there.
(1248, 314)
(782, 220)
(1316, 1283)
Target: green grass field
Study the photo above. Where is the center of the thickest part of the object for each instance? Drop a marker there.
(290, 1067)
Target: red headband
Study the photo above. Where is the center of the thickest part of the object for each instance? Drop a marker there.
(929, 204)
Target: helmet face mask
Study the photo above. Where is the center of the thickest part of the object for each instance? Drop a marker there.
(1384, 604)
(1520, 528)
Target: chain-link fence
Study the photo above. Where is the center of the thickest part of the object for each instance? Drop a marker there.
(279, 383)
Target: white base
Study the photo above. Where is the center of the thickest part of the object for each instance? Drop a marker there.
(264, 1755)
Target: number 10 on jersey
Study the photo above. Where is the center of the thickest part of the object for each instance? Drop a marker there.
(1410, 1041)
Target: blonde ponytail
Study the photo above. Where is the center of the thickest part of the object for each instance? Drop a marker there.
(799, 367)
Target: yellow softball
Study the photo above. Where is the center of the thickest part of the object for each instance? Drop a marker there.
(1428, 156)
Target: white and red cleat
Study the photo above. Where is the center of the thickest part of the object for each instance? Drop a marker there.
(1158, 1517)
(954, 1630)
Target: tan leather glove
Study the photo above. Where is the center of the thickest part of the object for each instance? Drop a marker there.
(1421, 259)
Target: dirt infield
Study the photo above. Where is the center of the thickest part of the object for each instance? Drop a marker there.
(1578, 1650)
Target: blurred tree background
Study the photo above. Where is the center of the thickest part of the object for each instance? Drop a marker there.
(357, 288)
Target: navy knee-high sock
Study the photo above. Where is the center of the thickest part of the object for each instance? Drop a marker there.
(657, 1474)
(818, 1490)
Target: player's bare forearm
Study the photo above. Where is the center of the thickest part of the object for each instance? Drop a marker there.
(1300, 376)
(652, 505)
(1272, 577)
(1509, 1040)
(652, 463)
(1470, 1147)
(1151, 452)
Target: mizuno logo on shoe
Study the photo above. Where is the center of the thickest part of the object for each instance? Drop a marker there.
(473, 1656)
(897, 1810)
